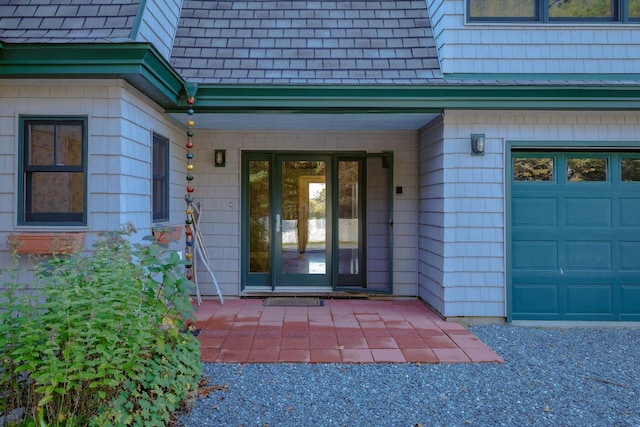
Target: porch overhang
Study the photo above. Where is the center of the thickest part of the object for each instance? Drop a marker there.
(374, 107)
(415, 98)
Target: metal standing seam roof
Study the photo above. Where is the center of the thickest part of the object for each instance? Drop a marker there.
(306, 42)
(67, 21)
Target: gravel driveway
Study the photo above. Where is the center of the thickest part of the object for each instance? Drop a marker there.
(551, 377)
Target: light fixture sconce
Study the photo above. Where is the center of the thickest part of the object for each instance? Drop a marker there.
(477, 144)
(220, 158)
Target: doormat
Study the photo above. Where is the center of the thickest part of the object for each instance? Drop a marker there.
(293, 302)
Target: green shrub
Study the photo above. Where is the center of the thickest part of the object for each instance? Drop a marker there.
(98, 339)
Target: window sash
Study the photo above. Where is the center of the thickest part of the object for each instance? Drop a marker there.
(53, 169)
(539, 11)
(160, 185)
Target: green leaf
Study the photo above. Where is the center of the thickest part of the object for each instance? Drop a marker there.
(46, 399)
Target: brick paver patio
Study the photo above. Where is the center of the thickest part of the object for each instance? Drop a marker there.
(341, 331)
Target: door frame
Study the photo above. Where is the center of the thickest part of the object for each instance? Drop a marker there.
(257, 282)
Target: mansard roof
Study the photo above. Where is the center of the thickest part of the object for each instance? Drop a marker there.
(310, 42)
(67, 21)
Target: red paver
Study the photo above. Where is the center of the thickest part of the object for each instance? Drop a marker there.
(376, 342)
(263, 356)
(479, 355)
(356, 355)
(341, 331)
(233, 355)
(295, 355)
(323, 343)
(420, 355)
(325, 356)
(451, 355)
(388, 355)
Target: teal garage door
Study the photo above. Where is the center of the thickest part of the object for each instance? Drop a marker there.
(574, 236)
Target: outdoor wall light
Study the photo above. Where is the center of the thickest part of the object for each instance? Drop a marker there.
(220, 158)
(477, 144)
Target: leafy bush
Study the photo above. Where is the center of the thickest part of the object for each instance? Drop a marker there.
(98, 339)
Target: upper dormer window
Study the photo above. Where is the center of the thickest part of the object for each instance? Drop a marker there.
(553, 10)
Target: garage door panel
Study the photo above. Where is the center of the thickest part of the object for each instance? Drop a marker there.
(592, 298)
(630, 256)
(587, 255)
(535, 212)
(585, 212)
(538, 298)
(535, 255)
(630, 212)
(630, 299)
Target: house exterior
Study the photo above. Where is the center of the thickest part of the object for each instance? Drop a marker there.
(485, 160)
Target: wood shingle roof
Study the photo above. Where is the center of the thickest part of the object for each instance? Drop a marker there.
(310, 42)
(67, 21)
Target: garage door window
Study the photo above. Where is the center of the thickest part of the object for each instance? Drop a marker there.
(533, 169)
(586, 169)
(630, 170)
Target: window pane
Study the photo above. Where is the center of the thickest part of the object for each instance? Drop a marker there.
(160, 178)
(502, 9)
(630, 169)
(586, 169)
(69, 147)
(57, 192)
(41, 144)
(580, 9)
(533, 169)
(634, 9)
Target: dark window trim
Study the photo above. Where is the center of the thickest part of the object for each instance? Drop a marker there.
(162, 214)
(619, 14)
(25, 217)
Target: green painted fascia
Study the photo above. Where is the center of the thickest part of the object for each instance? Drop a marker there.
(138, 63)
(424, 98)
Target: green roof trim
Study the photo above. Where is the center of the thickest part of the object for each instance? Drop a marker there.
(429, 98)
(143, 67)
(135, 29)
(137, 63)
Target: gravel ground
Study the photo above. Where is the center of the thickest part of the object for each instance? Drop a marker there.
(551, 377)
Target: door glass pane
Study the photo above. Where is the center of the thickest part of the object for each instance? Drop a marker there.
(259, 209)
(304, 217)
(586, 169)
(348, 218)
(630, 169)
(533, 169)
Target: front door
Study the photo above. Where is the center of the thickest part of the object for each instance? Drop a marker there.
(305, 223)
(301, 209)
